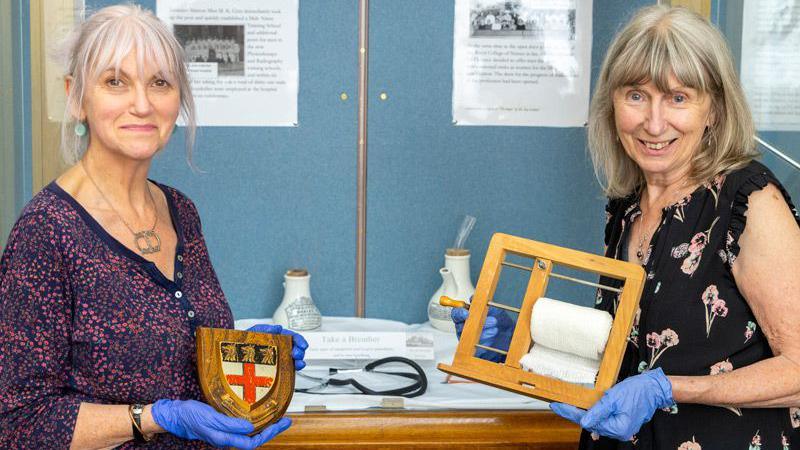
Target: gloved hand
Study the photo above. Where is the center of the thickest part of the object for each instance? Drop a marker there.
(190, 419)
(299, 344)
(624, 408)
(497, 331)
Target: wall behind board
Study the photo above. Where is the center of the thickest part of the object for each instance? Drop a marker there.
(425, 173)
(275, 198)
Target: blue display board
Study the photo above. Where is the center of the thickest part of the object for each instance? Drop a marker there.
(274, 198)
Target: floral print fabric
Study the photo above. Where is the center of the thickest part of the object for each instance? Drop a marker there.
(692, 317)
(84, 319)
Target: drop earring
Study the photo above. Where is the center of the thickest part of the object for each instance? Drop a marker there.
(80, 129)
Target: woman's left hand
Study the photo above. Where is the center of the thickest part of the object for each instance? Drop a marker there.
(299, 344)
(624, 408)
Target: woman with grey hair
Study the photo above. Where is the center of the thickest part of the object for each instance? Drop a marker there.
(106, 275)
(713, 360)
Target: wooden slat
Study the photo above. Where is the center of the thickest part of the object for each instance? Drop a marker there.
(521, 341)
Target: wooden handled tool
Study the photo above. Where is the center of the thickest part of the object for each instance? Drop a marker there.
(447, 301)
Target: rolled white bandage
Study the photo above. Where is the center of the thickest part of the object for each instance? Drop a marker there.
(568, 340)
(564, 366)
(569, 328)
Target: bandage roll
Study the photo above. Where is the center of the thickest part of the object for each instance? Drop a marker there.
(568, 328)
(563, 366)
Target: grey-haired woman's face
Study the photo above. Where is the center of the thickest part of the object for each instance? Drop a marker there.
(130, 115)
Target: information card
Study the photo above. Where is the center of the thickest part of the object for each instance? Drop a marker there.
(368, 345)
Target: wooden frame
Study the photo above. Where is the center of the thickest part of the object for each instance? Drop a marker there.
(46, 160)
(510, 375)
(9, 153)
(702, 7)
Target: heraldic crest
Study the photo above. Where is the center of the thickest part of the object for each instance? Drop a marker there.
(245, 374)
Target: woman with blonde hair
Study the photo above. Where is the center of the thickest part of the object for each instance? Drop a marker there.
(713, 359)
(106, 275)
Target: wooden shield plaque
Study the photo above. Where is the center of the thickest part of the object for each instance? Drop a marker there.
(244, 374)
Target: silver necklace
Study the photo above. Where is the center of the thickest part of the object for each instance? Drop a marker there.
(646, 234)
(642, 236)
(147, 241)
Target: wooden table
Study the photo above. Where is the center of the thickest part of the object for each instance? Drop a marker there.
(476, 430)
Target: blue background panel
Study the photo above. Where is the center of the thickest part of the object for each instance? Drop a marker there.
(425, 173)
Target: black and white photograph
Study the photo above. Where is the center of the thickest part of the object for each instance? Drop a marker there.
(221, 44)
(519, 19)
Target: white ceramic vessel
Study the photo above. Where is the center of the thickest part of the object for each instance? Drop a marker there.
(297, 311)
(456, 284)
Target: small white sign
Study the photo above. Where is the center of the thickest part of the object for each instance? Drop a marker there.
(368, 345)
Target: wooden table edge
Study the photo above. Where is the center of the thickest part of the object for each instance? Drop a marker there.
(480, 429)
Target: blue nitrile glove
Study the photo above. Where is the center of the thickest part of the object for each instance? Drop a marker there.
(190, 419)
(497, 331)
(299, 344)
(624, 408)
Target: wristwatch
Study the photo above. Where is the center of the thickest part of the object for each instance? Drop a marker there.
(135, 413)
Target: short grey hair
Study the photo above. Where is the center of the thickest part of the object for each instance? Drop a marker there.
(657, 42)
(100, 43)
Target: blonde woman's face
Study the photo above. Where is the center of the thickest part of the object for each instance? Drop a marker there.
(129, 115)
(661, 131)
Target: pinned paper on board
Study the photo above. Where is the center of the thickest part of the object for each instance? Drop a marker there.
(242, 58)
(524, 63)
(770, 39)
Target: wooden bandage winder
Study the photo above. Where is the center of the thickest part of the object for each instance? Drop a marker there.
(510, 375)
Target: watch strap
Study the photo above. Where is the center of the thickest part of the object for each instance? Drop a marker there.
(135, 413)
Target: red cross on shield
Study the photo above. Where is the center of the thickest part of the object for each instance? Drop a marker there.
(249, 370)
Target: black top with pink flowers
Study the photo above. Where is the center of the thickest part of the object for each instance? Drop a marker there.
(692, 319)
(84, 319)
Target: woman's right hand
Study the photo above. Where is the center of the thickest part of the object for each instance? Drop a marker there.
(190, 419)
(497, 331)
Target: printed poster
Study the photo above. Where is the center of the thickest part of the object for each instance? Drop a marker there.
(522, 62)
(242, 58)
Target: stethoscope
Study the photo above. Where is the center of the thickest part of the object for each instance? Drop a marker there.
(417, 388)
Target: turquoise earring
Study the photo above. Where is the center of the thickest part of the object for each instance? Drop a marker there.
(80, 129)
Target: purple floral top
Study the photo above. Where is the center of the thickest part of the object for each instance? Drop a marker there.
(693, 320)
(84, 319)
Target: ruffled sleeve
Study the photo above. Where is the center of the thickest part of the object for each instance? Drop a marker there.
(753, 178)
